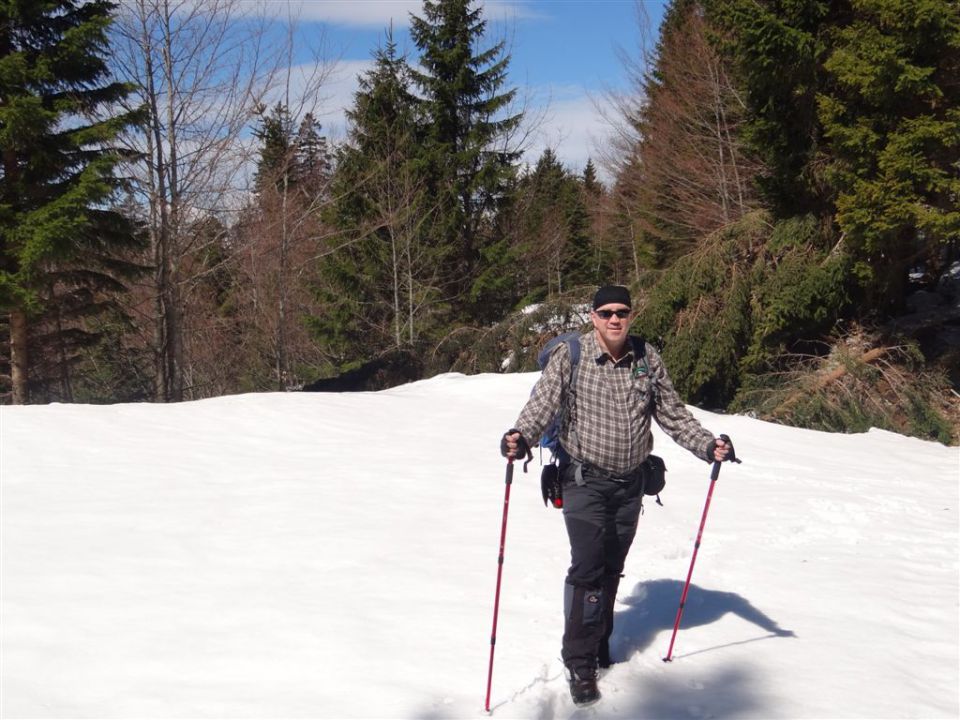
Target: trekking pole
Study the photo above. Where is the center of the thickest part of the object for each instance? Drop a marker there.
(714, 474)
(496, 598)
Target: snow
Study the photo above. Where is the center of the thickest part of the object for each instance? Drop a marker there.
(335, 556)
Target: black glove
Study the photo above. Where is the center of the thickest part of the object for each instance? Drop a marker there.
(523, 448)
(731, 455)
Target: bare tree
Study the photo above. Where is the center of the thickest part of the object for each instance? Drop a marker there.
(273, 273)
(695, 170)
(681, 168)
(201, 70)
(282, 227)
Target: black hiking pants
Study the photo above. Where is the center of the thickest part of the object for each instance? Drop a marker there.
(601, 517)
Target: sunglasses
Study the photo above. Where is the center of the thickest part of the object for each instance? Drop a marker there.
(607, 314)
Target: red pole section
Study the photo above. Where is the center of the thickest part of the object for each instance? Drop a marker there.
(714, 474)
(496, 599)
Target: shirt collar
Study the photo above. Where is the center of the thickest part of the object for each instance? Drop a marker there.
(601, 356)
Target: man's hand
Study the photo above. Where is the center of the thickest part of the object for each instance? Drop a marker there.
(513, 445)
(721, 450)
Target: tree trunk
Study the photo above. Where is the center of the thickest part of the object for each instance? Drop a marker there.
(66, 389)
(282, 283)
(173, 310)
(19, 358)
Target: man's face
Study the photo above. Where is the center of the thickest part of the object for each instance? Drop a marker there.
(612, 322)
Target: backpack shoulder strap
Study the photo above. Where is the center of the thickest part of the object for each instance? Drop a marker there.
(573, 342)
(639, 345)
(570, 396)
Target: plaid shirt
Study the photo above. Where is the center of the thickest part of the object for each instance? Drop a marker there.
(608, 421)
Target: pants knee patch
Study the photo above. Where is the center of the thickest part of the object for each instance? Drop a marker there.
(585, 603)
(592, 607)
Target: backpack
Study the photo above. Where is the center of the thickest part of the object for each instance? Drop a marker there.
(550, 439)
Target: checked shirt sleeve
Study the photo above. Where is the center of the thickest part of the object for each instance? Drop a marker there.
(545, 399)
(673, 416)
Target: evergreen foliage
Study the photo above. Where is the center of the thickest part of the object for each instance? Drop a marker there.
(466, 136)
(732, 307)
(380, 281)
(511, 345)
(691, 172)
(64, 250)
(852, 108)
(555, 229)
(292, 160)
(788, 169)
(277, 153)
(313, 159)
(855, 109)
(777, 50)
(890, 112)
(271, 258)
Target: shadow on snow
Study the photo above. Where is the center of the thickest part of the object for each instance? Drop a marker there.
(652, 608)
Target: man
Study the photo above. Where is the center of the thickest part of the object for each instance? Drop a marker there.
(606, 436)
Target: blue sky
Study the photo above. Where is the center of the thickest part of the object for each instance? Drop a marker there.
(564, 56)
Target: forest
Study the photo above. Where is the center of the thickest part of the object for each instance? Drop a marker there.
(781, 195)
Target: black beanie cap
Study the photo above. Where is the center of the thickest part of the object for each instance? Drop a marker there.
(611, 294)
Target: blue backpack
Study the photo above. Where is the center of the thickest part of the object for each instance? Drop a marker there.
(550, 440)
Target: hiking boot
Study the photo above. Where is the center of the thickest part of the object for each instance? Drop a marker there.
(583, 686)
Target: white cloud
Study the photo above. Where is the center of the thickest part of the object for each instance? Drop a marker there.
(374, 13)
(362, 13)
(329, 102)
(573, 126)
(338, 96)
(567, 118)
(571, 123)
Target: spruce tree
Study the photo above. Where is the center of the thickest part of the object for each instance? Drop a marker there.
(890, 111)
(276, 243)
(591, 183)
(854, 104)
(61, 243)
(313, 160)
(380, 281)
(778, 48)
(462, 101)
(557, 227)
(275, 133)
(297, 159)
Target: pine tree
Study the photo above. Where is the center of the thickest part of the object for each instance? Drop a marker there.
(591, 183)
(890, 110)
(462, 102)
(380, 284)
(313, 161)
(556, 224)
(778, 48)
(277, 148)
(62, 245)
